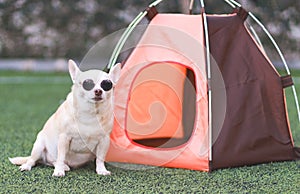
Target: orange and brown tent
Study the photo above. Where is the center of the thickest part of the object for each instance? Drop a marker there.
(199, 92)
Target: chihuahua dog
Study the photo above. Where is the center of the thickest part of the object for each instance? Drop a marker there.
(79, 131)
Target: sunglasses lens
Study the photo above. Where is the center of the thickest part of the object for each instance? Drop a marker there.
(88, 84)
(106, 85)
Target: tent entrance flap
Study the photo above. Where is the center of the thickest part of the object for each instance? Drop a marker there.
(161, 109)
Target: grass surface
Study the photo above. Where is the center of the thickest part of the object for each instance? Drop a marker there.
(26, 105)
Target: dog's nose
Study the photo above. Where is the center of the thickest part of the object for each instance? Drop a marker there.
(98, 92)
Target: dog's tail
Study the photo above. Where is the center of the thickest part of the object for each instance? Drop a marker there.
(19, 160)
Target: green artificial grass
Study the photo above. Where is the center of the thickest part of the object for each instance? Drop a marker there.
(25, 106)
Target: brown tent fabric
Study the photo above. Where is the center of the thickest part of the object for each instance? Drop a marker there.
(256, 128)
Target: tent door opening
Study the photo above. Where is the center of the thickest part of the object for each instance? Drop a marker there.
(162, 105)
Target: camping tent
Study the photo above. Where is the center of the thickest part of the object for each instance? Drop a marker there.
(199, 92)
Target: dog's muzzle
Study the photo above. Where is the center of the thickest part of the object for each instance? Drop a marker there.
(98, 95)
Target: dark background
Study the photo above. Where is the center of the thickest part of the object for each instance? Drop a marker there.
(68, 29)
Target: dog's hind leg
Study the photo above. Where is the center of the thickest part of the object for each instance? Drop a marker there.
(36, 154)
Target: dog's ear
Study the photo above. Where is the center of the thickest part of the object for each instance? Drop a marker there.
(114, 73)
(73, 70)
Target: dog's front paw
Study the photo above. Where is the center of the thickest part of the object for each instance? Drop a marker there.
(25, 167)
(103, 172)
(58, 173)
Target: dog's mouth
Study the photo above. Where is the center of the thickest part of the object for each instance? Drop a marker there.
(97, 99)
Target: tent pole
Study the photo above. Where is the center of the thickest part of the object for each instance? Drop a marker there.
(124, 37)
(256, 37)
(191, 6)
(233, 4)
(251, 28)
(208, 64)
(127, 33)
(282, 58)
